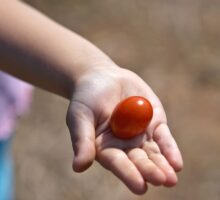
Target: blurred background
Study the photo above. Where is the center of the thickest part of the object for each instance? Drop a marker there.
(175, 47)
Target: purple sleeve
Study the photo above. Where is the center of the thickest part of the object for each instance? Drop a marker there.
(15, 100)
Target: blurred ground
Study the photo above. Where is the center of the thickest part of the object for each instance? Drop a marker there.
(175, 47)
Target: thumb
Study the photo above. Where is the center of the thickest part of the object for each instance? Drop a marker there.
(80, 121)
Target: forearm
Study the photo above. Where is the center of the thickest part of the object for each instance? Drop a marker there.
(42, 52)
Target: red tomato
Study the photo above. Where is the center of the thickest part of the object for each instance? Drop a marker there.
(131, 117)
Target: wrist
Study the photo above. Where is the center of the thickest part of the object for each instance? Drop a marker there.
(91, 65)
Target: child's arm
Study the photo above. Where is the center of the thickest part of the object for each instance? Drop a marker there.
(52, 57)
(39, 50)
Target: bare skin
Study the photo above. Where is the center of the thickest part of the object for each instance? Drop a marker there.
(42, 52)
(152, 157)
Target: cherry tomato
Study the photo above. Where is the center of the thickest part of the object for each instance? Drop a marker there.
(131, 117)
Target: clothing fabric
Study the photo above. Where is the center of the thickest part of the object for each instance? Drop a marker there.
(6, 171)
(15, 99)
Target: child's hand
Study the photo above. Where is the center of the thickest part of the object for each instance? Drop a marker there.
(54, 62)
(152, 157)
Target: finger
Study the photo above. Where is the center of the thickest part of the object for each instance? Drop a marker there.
(168, 146)
(159, 117)
(108, 140)
(80, 121)
(154, 154)
(151, 172)
(159, 131)
(117, 161)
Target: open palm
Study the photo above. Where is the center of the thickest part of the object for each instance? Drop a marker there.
(152, 157)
